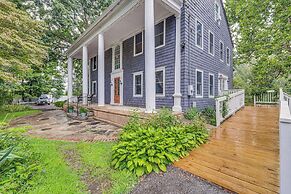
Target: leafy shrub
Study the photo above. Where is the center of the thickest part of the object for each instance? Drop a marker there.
(18, 165)
(191, 113)
(14, 108)
(209, 115)
(3, 125)
(147, 146)
(60, 104)
(83, 110)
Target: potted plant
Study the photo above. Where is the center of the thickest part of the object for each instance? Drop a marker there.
(70, 109)
(83, 112)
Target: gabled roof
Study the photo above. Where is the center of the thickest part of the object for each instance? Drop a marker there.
(227, 23)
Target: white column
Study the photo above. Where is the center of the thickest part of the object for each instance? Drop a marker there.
(101, 70)
(85, 74)
(70, 78)
(177, 96)
(150, 86)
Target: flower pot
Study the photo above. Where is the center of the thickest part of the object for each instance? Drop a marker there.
(70, 110)
(83, 115)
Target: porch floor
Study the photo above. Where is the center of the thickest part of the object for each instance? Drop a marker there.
(242, 154)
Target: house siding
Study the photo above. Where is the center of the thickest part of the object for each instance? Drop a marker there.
(194, 57)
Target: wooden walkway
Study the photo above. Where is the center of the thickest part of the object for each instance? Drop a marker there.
(243, 153)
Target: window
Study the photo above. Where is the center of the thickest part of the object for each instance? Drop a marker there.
(211, 43)
(211, 85)
(160, 81)
(138, 44)
(221, 46)
(116, 57)
(199, 83)
(222, 83)
(94, 88)
(199, 34)
(93, 62)
(160, 34)
(227, 56)
(138, 84)
(217, 13)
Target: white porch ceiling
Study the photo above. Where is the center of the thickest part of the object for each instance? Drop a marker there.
(126, 26)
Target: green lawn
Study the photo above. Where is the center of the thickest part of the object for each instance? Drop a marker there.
(62, 172)
(7, 117)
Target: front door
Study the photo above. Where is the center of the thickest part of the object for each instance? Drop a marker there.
(117, 90)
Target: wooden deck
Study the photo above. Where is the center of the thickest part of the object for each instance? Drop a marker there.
(243, 153)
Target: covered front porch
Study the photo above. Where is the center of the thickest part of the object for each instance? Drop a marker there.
(106, 42)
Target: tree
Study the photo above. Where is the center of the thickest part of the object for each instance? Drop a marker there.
(20, 47)
(261, 32)
(66, 20)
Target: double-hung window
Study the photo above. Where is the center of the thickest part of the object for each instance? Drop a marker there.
(199, 34)
(93, 62)
(199, 83)
(221, 48)
(217, 12)
(94, 88)
(160, 34)
(138, 44)
(211, 85)
(117, 57)
(211, 43)
(160, 81)
(227, 56)
(138, 84)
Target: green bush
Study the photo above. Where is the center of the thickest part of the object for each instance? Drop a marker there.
(14, 108)
(191, 113)
(18, 165)
(209, 115)
(60, 104)
(151, 145)
(84, 110)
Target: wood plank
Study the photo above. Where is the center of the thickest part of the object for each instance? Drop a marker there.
(243, 153)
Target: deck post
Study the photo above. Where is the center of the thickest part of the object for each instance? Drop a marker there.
(70, 79)
(85, 75)
(101, 70)
(177, 96)
(150, 62)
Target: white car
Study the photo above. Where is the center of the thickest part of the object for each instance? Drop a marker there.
(44, 99)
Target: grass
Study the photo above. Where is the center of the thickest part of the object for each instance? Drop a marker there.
(59, 177)
(7, 117)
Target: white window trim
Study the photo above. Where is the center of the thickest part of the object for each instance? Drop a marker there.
(134, 46)
(113, 58)
(211, 96)
(196, 95)
(134, 75)
(164, 81)
(218, 17)
(210, 32)
(222, 51)
(225, 82)
(94, 82)
(227, 55)
(164, 34)
(202, 35)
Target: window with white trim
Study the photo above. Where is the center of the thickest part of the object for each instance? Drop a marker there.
(160, 34)
(221, 48)
(211, 43)
(138, 44)
(160, 81)
(94, 88)
(138, 84)
(199, 83)
(116, 57)
(227, 56)
(217, 12)
(211, 85)
(199, 34)
(93, 62)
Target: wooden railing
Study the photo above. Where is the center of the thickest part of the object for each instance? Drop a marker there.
(229, 104)
(285, 142)
(269, 97)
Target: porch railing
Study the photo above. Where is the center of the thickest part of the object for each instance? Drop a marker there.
(269, 97)
(285, 142)
(229, 104)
